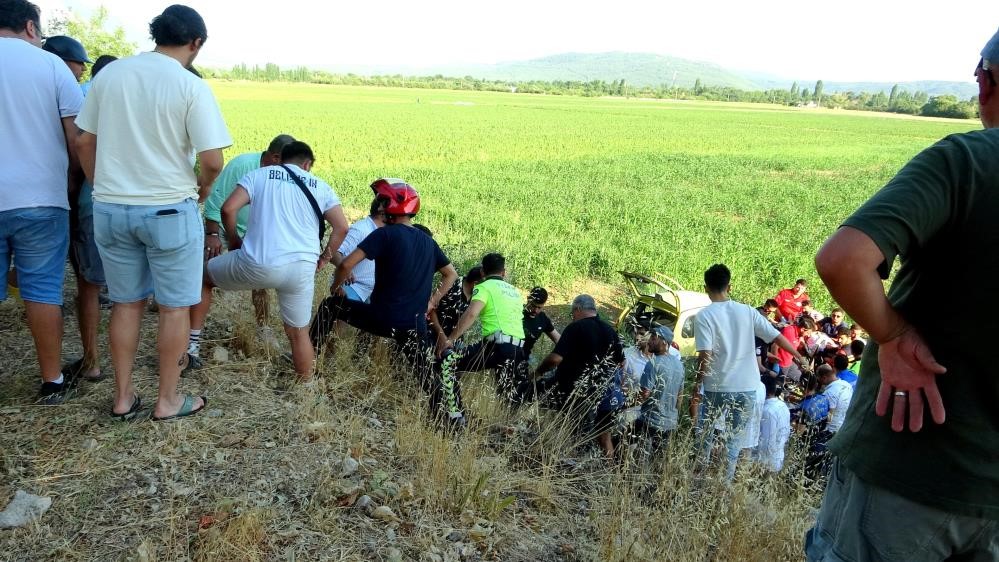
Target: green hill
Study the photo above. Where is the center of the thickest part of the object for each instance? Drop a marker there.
(637, 69)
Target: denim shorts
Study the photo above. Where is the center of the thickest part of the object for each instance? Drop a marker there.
(151, 248)
(38, 238)
(84, 248)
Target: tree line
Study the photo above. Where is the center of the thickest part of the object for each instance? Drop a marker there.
(98, 41)
(898, 100)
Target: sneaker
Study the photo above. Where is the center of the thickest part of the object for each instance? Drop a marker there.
(53, 393)
(193, 364)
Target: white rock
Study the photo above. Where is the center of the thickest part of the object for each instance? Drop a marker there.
(384, 513)
(363, 502)
(393, 555)
(220, 355)
(89, 444)
(23, 509)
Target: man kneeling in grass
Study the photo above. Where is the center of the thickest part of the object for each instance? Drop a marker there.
(281, 249)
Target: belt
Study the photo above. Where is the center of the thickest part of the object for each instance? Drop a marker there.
(500, 337)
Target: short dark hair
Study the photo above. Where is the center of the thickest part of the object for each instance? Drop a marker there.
(773, 389)
(474, 275)
(842, 331)
(423, 229)
(279, 142)
(841, 362)
(178, 25)
(717, 278)
(493, 264)
(824, 370)
(807, 322)
(297, 151)
(15, 15)
(801, 282)
(771, 303)
(835, 310)
(100, 63)
(806, 302)
(538, 295)
(376, 208)
(857, 348)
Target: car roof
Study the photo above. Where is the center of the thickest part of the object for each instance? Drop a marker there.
(692, 299)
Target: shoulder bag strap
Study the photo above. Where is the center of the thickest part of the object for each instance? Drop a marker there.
(312, 201)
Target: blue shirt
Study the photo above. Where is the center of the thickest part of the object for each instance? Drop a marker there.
(663, 376)
(848, 376)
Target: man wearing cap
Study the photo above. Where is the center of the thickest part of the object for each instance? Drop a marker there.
(536, 322)
(908, 487)
(223, 186)
(662, 385)
(39, 162)
(70, 51)
(497, 304)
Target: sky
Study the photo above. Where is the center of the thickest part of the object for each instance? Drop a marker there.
(872, 40)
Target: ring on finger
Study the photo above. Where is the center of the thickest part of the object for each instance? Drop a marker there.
(901, 393)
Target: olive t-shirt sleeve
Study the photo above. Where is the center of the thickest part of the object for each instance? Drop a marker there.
(915, 204)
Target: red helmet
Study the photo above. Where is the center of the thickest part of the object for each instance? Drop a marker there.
(400, 197)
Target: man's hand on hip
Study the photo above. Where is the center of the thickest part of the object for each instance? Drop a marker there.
(908, 375)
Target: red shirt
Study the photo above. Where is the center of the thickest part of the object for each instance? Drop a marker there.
(789, 305)
(784, 358)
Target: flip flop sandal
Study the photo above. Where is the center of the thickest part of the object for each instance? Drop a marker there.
(185, 409)
(74, 371)
(132, 412)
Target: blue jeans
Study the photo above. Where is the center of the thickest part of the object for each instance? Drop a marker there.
(38, 238)
(736, 408)
(151, 248)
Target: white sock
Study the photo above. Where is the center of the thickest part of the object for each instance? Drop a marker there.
(60, 379)
(194, 342)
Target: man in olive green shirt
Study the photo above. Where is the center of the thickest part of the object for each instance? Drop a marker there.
(499, 307)
(908, 488)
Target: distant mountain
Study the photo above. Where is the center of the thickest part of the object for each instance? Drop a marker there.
(637, 69)
(646, 69)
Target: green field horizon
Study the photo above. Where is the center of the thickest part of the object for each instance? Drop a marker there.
(575, 188)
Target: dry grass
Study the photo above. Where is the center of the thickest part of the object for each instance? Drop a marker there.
(261, 475)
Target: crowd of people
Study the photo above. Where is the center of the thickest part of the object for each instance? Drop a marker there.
(117, 168)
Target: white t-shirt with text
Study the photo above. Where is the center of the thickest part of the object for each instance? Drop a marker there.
(282, 227)
(727, 329)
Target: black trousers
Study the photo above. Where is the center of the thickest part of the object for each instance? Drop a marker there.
(504, 358)
(411, 340)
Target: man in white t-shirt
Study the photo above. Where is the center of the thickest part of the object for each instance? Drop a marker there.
(724, 335)
(775, 429)
(143, 118)
(362, 279)
(281, 249)
(751, 435)
(839, 392)
(38, 100)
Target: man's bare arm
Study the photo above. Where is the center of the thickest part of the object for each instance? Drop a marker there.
(211, 166)
(86, 152)
(848, 264)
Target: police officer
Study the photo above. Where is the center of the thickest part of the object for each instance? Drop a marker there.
(499, 306)
(70, 51)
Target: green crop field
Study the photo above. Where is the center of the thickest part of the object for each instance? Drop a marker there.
(572, 188)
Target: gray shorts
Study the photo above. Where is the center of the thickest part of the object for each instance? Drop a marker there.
(294, 282)
(859, 522)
